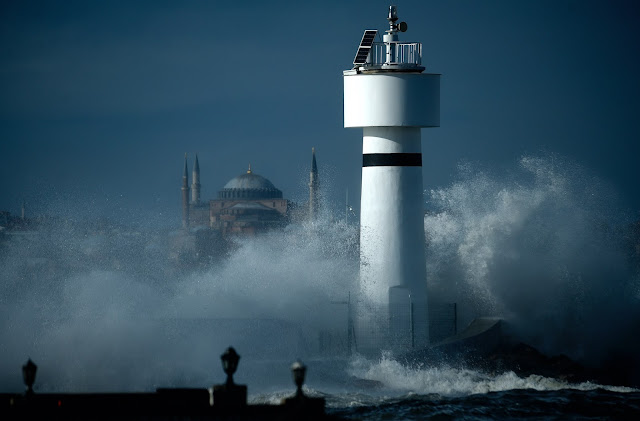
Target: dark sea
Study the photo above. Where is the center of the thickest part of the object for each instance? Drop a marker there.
(386, 390)
(563, 404)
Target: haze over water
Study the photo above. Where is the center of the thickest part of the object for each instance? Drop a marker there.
(543, 245)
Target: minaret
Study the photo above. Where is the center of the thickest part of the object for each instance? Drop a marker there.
(388, 95)
(195, 185)
(185, 195)
(313, 187)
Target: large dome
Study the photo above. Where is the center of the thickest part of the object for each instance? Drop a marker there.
(249, 186)
(249, 180)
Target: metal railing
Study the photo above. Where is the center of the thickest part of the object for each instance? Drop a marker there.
(399, 53)
(388, 327)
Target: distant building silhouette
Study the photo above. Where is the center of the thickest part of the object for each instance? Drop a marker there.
(313, 187)
(247, 204)
(195, 185)
(10, 222)
(185, 194)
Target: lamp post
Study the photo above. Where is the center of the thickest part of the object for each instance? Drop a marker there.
(230, 360)
(29, 375)
(229, 393)
(298, 370)
(300, 405)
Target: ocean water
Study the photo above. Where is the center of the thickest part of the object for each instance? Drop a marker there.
(564, 404)
(384, 389)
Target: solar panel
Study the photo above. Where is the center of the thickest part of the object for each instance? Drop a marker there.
(365, 46)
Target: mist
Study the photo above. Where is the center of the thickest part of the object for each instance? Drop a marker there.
(545, 246)
(103, 307)
(106, 309)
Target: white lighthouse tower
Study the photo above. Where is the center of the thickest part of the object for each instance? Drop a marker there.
(388, 94)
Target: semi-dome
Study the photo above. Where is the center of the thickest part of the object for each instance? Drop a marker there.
(249, 186)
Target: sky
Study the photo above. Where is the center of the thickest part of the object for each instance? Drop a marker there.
(100, 101)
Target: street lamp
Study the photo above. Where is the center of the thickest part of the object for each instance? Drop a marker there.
(29, 375)
(229, 394)
(301, 406)
(230, 360)
(298, 370)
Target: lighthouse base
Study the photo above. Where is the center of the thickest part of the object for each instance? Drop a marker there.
(400, 326)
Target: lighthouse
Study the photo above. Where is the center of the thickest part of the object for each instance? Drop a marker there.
(390, 96)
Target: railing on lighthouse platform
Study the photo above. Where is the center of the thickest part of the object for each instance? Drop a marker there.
(403, 54)
(390, 54)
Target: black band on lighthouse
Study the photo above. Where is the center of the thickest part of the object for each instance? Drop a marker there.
(392, 160)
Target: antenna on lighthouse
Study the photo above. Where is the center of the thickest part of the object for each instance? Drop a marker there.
(393, 14)
(392, 18)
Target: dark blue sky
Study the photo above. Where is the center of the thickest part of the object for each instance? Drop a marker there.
(100, 100)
